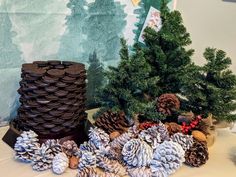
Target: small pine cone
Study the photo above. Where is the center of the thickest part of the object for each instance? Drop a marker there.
(26, 145)
(168, 157)
(42, 159)
(98, 137)
(70, 148)
(185, 141)
(111, 166)
(111, 121)
(87, 146)
(197, 155)
(173, 128)
(88, 172)
(151, 136)
(140, 171)
(161, 128)
(137, 153)
(120, 141)
(60, 163)
(168, 103)
(134, 131)
(88, 159)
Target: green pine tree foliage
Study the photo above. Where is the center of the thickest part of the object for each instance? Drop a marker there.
(10, 55)
(71, 41)
(127, 85)
(95, 80)
(166, 52)
(213, 89)
(104, 26)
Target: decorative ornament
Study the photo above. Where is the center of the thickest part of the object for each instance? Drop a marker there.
(173, 128)
(110, 121)
(168, 157)
(137, 153)
(111, 166)
(186, 128)
(60, 163)
(42, 159)
(140, 171)
(151, 136)
(26, 145)
(98, 137)
(168, 103)
(70, 148)
(114, 135)
(88, 159)
(73, 162)
(185, 141)
(197, 155)
(199, 135)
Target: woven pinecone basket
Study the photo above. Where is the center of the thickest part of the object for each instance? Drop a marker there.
(52, 97)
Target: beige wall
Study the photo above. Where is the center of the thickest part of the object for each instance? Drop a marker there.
(210, 23)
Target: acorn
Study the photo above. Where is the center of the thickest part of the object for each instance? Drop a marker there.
(114, 135)
(73, 162)
(198, 135)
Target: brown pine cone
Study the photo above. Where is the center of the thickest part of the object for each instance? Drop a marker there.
(173, 128)
(197, 155)
(168, 103)
(110, 121)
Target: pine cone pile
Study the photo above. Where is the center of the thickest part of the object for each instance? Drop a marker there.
(173, 128)
(110, 121)
(111, 166)
(151, 136)
(168, 103)
(60, 163)
(98, 137)
(167, 158)
(26, 145)
(140, 171)
(197, 155)
(70, 148)
(137, 153)
(88, 159)
(42, 159)
(185, 141)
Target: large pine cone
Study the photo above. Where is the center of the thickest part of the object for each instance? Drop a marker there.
(140, 171)
(137, 153)
(98, 137)
(197, 155)
(42, 159)
(88, 159)
(88, 172)
(168, 103)
(167, 158)
(173, 128)
(110, 121)
(26, 145)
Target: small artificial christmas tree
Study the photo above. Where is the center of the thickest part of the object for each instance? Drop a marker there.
(165, 51)
(213, 89)
(95, 77)
(128, 84)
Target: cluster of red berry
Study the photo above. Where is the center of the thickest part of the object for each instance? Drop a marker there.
(186, 128)
(146, 125)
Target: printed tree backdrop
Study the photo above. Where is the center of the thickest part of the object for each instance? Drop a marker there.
(86, 31)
